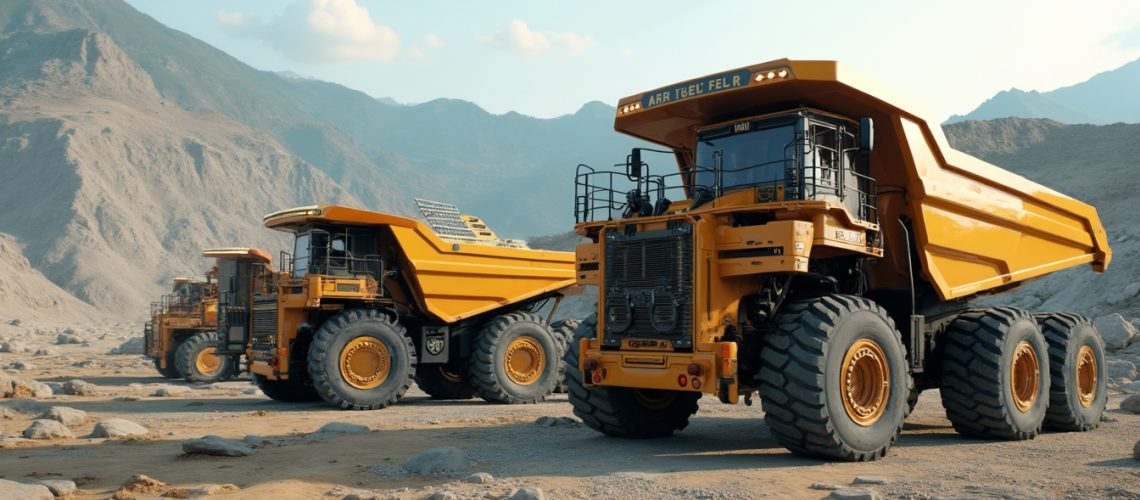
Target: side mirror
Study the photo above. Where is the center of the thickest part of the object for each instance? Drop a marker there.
(634, 165)
(866, 134)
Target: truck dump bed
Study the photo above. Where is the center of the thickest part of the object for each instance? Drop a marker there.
(977, 227)
(455, 280)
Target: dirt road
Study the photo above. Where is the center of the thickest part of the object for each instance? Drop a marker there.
(726, 452)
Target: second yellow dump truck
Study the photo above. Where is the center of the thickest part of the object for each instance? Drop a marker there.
(372, 302)
(816, 241)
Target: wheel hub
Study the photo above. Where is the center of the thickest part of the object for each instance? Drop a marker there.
(866, 382)
(524, 360)
(1024, 374)
(207, 361)
(1086, 376)
(654, 399)
(364, 363)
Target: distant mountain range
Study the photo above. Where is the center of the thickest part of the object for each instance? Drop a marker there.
(1109, 97)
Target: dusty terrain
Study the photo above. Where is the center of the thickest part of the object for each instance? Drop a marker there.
(726, 452)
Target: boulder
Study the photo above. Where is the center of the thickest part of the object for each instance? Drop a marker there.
(14, 347)
(21, 366)
(45, 351)
(47, 429)
(25, 387)
(1116, 331)
(67, 338)
(217, 446)
(1131, 403)
(60, 487)
(167, 391)
(342, 428)
(80, 388)
(870, 480)
(140, 484)
(526, 493)
(118, 428)
(12, 489)
(66, 416)
(855, 494)
(480, 478)
(1119, 368)
(441, 460)
(131, 346)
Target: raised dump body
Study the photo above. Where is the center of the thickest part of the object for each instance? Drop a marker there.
(816, 243)
(372, 301)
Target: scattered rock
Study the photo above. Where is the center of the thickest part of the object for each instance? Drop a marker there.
(131, 346)
(824, 486)
(21, 366)
(1131, 403)
(80, 388)
(6, 382)
(118, 428)
(66, 416)
(60, 487)
(480, 478)
(13, 347)
(254, 441)
(1116, 331)
(1119, 368)
(15, 322)
(12, 489)
(870, 480)
(357, 495)
(139, 484)
(67, 338)
(251, 390)
(855, 494)
(25, 388)
(170, 390)
(441, 495)
(205, 491)
(526, 493)
(442, 460)
(217, 446)
(47, 429)
(557, 422)
(45, 351)
(1136, 451)
(342, 428)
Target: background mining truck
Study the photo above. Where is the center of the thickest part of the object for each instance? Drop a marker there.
(788, 258)
(178, 336)
(375, 301)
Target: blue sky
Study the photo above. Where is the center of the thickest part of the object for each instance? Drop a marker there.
(547, 58)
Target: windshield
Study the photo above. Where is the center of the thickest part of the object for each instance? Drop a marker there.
(301, 257)
(750, 158)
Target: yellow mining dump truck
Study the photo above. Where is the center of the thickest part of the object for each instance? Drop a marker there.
(178, 335)
(819, 246)
(373, 302)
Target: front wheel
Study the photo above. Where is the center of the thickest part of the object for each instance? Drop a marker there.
(623, 412)
(833, 379)
(361, 360)
(198, 361)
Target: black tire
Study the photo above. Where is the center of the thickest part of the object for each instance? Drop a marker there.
(378, 334)
(977, 384)
(619, 411)
(1066, 335)
(564, 330)
(171, 370)
(802, 383)
(444, 381)
(187, 355)
(296, 389)
(487, 367)
(912, 399)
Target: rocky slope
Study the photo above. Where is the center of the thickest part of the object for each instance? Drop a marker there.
(112, 189)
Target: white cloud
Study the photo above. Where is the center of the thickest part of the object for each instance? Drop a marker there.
(321, 31)
(520, 38)
(231, 19)
(434, 41)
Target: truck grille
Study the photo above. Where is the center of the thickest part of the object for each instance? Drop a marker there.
(263, 320)
(649, 286)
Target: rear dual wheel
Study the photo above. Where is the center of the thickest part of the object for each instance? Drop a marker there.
(517, 359)
(564, 331)
(1077, 372)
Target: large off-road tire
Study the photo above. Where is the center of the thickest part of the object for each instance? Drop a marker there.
(564, 330)
(171, 370)
(445, 381)
(995, 376)
(361, 360)
(1077, 371)
(516, 360)
(623, 412)
(197, 361)
(296, 389)
(833, 378)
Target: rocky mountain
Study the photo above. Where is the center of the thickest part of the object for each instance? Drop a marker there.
(1109, 97)
(1095, 164)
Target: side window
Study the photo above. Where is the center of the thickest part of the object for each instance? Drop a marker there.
(826, 153)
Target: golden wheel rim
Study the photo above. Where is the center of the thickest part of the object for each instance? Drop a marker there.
(364, 363)
(1086, 376)
(207, 361)
(1024, 374)
(866, 382)
(524, 360)
(654, 399)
